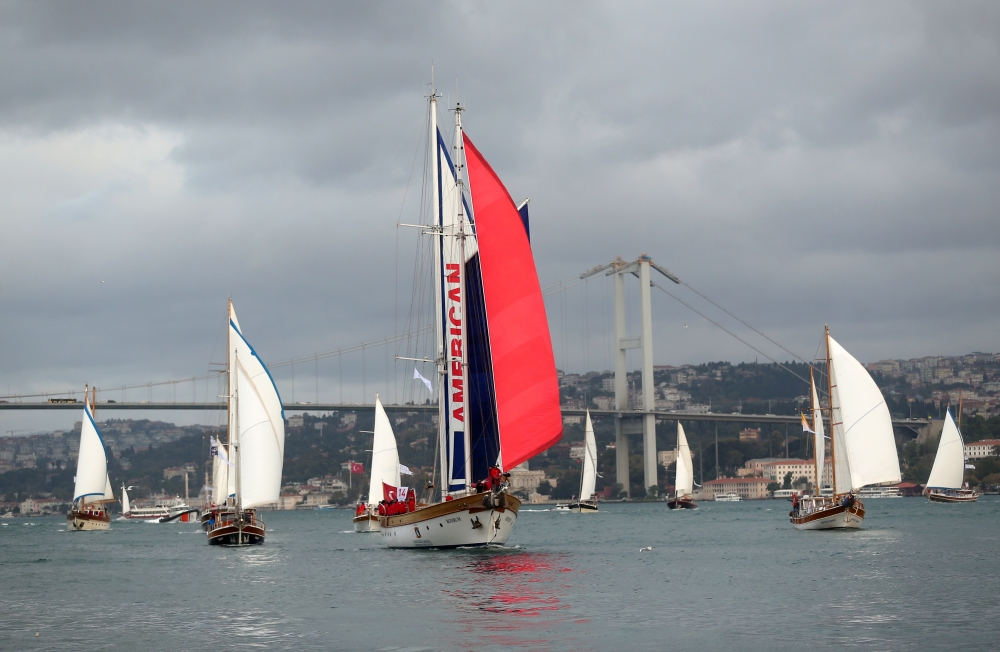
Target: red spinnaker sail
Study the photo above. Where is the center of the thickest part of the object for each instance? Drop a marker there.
(524, 368)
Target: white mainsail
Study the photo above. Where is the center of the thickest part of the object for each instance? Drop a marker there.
(126, 507)
(589, 480)
(862, 425)
(109, 493)
(260, 435)
(948, 471)
(684, 484)
(385, 456)
(819, 439)
(92, 463)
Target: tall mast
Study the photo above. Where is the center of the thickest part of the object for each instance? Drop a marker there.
(432, 146)
(229, 393)
(459, 147)
(815, 417)
(833, 434)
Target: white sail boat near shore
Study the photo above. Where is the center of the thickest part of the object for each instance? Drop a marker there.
(862, 447)
(587, 502)
(684, 481)
(384, 469)
(252, 466)
(92, 487)
(498, 395)
(948, 473)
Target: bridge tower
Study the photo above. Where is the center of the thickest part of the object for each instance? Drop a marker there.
(628, 422)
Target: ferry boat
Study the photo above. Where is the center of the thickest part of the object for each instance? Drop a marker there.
(879, 492)
(498, 394)
(730, 497)
(164, 510)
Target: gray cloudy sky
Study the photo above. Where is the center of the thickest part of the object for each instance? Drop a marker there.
(801, 163)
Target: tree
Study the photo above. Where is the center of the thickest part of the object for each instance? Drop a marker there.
(787, 484)
(773, 486)
(544, 488)
(653, 491)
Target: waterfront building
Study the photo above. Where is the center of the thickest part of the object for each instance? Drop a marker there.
(745, 488)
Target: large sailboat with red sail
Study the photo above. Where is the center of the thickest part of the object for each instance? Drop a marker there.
(498, 396)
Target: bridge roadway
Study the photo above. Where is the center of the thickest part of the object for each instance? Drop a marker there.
(913, 424)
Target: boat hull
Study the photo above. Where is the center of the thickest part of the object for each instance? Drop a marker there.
(834, 517)
(476, 520)
(682, 503)
(583, 507)
(80, 521)
(366, 523)
(962, 497)
(229, 532)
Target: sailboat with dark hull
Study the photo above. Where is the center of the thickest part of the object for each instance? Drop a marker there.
(945, 483)
(684, 482)
(498, 395)
(251, 461)
(92, 487)
(862, 445)
(587, 502)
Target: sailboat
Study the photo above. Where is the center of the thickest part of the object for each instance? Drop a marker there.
(498, 396)
(251, 461)
(862, 446)
(684, 483)
(588, 478)
(384, 470)
(92, 489)
(945, 482)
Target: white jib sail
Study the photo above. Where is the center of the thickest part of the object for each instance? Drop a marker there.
(109, 493)
(589, 480)
(684, 484)
(126, 508)
(948, 471)
(91, 464)
(385, 456)
(864, 420)
(261, 420)
(819, 439)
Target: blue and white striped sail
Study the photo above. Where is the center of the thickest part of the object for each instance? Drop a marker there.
(92, 463)
(259, 435)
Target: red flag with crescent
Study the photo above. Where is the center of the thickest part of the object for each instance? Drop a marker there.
(388, 492)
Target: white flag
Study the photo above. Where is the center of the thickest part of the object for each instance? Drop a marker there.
(805, 425)
(404, 470)
(222, 454)
(402, 493)
(417, 376)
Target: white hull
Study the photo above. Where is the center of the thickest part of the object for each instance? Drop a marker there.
(832, 518)
(458, 523)
(366, 524)
(78, 524)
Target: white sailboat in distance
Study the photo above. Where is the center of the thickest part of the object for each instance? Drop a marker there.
(684, 482)
(862, 447)
(948, 473)
(587, 502)
(384, 469)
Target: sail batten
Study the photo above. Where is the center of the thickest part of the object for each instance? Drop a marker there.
(948, 471)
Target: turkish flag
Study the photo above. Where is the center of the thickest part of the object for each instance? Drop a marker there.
(357, 467)
(388, 492)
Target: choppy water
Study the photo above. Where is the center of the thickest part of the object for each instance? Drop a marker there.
(729, 576)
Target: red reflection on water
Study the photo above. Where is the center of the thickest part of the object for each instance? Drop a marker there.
(509, 584)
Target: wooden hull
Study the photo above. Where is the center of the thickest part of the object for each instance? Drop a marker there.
(227, 531)
(366, 523)
(682, 503)
(476, 520)
(80, 521)
(834, 517)
(957, 497)
(583, 507)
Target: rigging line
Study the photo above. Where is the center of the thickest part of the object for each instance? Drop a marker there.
(799, 358)
(712, 321)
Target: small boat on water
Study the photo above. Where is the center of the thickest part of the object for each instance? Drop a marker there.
(862, 446)
(498, 394)
(684, 479)
(384, 470)
(729, 497)
(251, 461)
(92, 488)
(587, 503)
(945, 483)
(163, 510)
(879, 491)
